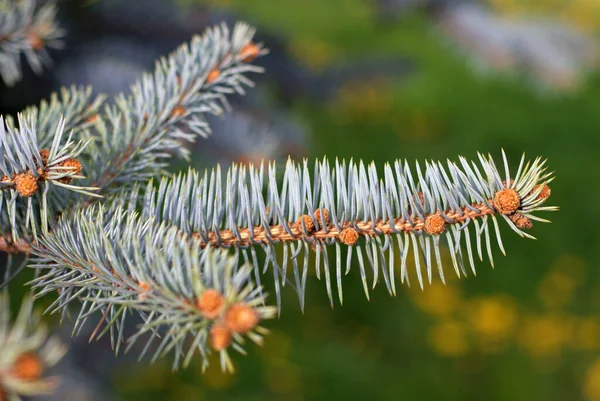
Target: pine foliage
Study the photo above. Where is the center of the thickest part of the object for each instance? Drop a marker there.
(27, 28)
(85, 192)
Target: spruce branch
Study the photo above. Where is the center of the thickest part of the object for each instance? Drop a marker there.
(166, 109)
(27, 202)
(76, 106)
(26, 27)
(189, 299)
(26, 352)
(349, 205)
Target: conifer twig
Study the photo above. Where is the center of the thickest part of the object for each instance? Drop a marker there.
(26, 27)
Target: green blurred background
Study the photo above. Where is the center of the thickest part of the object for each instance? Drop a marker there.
(528, 329)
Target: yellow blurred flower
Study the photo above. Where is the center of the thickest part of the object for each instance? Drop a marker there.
(493, 320)
(313, 53)
(591, 382)
(362, 100)
(556, 289)
(586, 334)
(449, 338)
(438, 299)
(544, 336)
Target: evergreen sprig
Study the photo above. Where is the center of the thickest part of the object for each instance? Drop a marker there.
(116, 260)
(166, 109)
(26, 352)
(29, 172)
(117, 263)
(185, 257)
(128, 141)
(27, 27)
(349, 205)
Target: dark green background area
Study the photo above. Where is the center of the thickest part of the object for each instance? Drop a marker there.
(382, 349)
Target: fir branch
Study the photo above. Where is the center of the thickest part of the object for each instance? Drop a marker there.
(26, 351)
(118, 263)
(139, 132)
(76, 106)
(26, 27)
(28, 172)
(350, 205)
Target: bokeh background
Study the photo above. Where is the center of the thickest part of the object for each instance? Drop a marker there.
(380, 80)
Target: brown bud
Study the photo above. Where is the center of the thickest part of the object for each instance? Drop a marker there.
(26, 184)
(220, 337)
(241, 318)
(307, 222)
(544, 193)
(210, 303)
(521, 221)
(144, 290)
(92, 119)
(434, 224)
(212, 76)
(178, 112)
(249, 52)
(349, 236)
(325, 216)
(45, 154)
(71, 166)
(507, 201)
(27, 367)
(35, 40)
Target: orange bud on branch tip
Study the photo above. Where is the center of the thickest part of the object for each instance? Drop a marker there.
(249, 52)
(210, 303)
(220, 337)
(27, 367)
(26, 184)
(507, 201)
(241, 318)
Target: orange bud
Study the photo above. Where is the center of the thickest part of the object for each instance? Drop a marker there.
(26, 184)
(27, 367)
(212, 76)
(507, 201)
(249, 52)
(241, 318)
(221, 337)
(210, 303)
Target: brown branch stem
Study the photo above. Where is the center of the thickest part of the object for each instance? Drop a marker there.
(365, 228)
